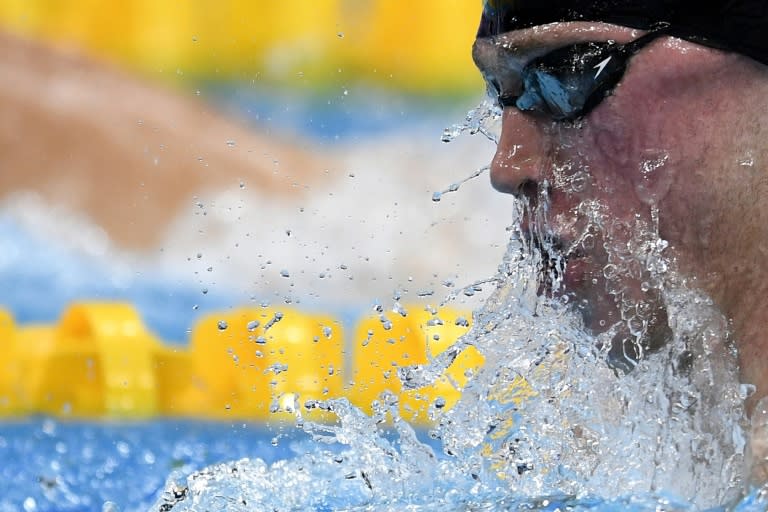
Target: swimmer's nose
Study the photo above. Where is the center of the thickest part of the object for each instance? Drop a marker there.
(517, 167)
(520, 153)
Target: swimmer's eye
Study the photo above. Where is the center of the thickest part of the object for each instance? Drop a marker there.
(567, 83)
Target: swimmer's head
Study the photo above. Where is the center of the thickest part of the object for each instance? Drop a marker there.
(736, 25)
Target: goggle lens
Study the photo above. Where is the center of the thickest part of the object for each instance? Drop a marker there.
(569, 82)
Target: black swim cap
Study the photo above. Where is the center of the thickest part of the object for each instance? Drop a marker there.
(735, 25)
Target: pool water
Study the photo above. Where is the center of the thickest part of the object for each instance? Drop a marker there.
(49, 465)
(548, 423)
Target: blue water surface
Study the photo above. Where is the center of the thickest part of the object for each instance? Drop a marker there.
(47, 465)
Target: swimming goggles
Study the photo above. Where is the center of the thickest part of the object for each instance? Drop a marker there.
(567, 83)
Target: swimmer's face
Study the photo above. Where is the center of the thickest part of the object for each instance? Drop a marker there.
(666, 140)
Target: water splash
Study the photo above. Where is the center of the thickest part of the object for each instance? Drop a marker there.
(453, 187)
(560, 414)
(484, 119)
(547, 420)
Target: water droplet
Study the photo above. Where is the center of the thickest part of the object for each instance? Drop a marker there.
(205, 291)
(222, 325)
(285, 273)
(242, 185)
(123, 448)
(437, 196)
(252, 325)
(451, 132)
(400, 310)
(278, 316)
(746, 390)
(231, 143)
(327, 331)
(149, 457)
(194, 39)
(461, 322)
(340, 35)
(278, 368)
(439, 402)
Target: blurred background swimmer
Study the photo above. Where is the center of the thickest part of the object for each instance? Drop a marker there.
(244, 148)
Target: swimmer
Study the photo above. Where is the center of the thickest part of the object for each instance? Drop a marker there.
(656, 114)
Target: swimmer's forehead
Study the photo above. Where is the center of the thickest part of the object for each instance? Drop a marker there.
(553, 35)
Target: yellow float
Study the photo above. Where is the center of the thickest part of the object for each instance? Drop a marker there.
(98, 361)
(412, 336)
(421, 47)
(252, 363)
(265, 363)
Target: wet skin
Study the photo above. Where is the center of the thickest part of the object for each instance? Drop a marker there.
(682, 134)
